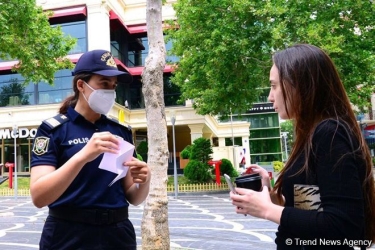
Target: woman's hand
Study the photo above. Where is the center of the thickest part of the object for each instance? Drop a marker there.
(138, 170)
(99, 143)
(263, 173)
(257, 204)
(251, 202)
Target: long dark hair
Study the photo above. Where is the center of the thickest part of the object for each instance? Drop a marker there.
(71, 101)
(321, 96)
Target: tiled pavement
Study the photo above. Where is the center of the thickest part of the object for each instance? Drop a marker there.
(198, 222)
(195, 222)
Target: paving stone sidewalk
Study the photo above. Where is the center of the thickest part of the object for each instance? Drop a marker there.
(203, 222)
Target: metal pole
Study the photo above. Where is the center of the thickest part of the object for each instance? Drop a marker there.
(284, 135)
(173, 120)
(231, 122)
(15, 133)
(361, 124)
(286, 149)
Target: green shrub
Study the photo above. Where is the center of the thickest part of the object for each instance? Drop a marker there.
(142, 149)
(139, 157)
(226, 167)
(277, 166)
(197, 172)
(201, 150)
(185, 153)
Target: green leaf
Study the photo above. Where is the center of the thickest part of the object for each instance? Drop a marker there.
(225, 47)
(26, 36)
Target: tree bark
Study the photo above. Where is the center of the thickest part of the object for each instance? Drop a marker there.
(370, 109)
(155, 230)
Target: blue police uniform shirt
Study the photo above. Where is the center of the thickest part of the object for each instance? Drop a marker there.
(55, 144)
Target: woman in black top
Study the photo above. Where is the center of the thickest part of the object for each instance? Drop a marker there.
(324, 197)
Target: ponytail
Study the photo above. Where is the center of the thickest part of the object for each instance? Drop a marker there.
(72, 100)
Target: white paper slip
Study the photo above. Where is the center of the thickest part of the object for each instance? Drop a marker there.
(113, 162)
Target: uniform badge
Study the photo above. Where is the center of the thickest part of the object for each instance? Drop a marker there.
(41, 145)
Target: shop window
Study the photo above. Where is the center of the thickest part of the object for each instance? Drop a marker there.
(14, 92)
(76, 30)
(138, 51)
(215, 142)
(266, 158)
(133, 96)
(237, 141)
(264, 146)
(171, 91)
(264, 133)
(263, 120)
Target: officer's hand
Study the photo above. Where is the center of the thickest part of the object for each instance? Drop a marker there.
(138, 170)
(99, 143)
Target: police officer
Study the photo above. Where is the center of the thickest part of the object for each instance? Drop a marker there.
(84, 211)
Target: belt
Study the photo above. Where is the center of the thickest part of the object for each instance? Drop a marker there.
(90, 216)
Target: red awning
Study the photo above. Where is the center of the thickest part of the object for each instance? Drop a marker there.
(137, 71)
(116, 21)
(137, 29)
(120, 65)
(143, 28)
(113, 15)
(74, 58)
(9, 64)
(371, 127)
(78, 10)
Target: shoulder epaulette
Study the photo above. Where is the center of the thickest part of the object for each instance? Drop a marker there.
(113, 120)
(117, 122)
(56, 121)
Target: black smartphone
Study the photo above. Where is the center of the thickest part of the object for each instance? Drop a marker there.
(230, 184)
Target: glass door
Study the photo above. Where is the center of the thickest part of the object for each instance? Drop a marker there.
(23, 153)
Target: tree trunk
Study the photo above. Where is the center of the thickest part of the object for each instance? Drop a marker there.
(155, 231)
(370, 109)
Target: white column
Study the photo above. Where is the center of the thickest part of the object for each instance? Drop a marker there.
(98, 31)
(221, 141)
(189, 103)
(196, 131)
(208, 136)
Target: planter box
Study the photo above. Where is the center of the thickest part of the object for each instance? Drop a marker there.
(183, 163)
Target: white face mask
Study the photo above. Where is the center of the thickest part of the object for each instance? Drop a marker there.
(101, 100)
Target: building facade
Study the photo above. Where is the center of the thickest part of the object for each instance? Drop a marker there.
(120, 27)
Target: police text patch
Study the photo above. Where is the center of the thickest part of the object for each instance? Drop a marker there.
(40, 145)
